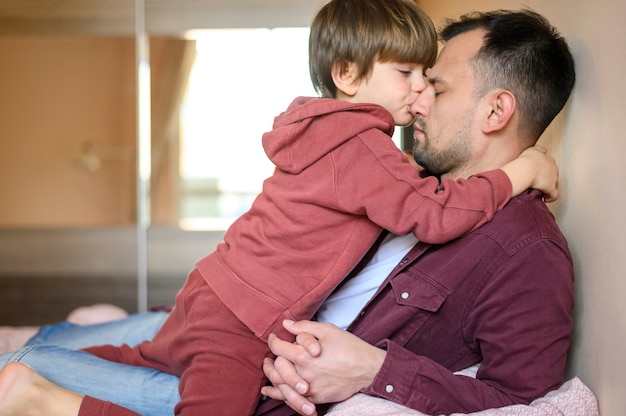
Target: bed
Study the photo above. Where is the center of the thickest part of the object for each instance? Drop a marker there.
(574, 398)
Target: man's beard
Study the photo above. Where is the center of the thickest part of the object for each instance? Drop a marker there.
(449, 159)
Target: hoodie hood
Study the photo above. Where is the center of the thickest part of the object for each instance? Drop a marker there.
(312, 127)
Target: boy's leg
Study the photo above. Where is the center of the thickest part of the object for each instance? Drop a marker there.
(144, 390)
(219, 358)
(131, 330)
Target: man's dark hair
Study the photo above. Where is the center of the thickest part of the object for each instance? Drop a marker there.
(524, 54)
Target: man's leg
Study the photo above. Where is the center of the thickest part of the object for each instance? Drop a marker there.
(144, 390)
(131, 330)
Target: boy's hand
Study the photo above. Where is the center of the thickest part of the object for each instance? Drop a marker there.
(325, 365)
(534, 168)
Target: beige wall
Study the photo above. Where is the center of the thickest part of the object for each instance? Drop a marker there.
(59, 94)
(591, 146)
(68, 129)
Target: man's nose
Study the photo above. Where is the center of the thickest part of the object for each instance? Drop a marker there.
(420, 84)
(421, 106)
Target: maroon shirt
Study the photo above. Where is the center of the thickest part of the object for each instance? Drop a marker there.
(502, 295)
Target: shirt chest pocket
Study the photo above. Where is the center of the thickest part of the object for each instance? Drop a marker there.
(418, 290)
(418, 299)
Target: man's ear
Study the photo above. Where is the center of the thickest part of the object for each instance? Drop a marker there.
(502, 106)
(344, 77)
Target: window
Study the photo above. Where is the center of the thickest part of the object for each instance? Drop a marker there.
(240, 81)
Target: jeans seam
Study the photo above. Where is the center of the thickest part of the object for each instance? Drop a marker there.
(19, 355)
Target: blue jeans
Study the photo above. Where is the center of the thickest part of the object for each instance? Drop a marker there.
(54, 354)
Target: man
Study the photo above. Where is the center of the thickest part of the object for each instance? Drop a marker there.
(501, 295)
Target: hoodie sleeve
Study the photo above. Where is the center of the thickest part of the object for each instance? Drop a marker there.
(374, 178)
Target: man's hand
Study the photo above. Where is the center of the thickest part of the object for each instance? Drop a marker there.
(325, 365)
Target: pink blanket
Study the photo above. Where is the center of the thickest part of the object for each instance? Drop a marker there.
(572, 399)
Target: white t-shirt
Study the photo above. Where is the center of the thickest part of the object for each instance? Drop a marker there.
(346, 302)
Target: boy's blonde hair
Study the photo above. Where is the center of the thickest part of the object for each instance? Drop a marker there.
(364, 32)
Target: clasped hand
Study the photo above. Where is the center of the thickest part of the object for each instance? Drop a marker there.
(324, 365)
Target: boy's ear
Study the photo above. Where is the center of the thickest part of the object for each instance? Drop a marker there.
(502, 106)
(344, 77)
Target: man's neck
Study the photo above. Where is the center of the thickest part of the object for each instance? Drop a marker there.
(492, 160)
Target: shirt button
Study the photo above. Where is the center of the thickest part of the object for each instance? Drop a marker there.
(389, 388)
(404, 295)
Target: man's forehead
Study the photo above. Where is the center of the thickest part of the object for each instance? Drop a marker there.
(463, 46)
(455, 55)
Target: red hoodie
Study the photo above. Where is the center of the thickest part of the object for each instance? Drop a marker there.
(339, 180)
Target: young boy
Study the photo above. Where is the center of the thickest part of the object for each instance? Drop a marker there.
(339, 181)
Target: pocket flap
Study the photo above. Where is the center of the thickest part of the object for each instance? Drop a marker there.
(419, 290)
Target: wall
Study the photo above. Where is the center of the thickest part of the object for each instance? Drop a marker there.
(64, 101)
(590, 146)
(45, 273)
(68, 128)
